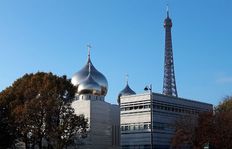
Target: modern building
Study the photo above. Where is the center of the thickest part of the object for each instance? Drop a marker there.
(103, 117)
(147, 120)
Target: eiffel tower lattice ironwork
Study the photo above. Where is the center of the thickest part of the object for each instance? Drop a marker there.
(169, 82)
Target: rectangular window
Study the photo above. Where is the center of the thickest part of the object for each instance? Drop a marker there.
(145, 126)
(136, 127)
(146, 107)
(126, 128)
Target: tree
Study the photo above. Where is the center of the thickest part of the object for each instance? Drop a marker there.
(195, 131)
(213, 128)
(66, 127)
(34, 102)
(223, 125)
(205, 128)
(225, 105)
(6, 130)
(185, 132)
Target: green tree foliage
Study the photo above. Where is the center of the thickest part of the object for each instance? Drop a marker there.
(38, 109)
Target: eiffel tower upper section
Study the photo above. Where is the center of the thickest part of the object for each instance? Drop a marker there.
(169, 82)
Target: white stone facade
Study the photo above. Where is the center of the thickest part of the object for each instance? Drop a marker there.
(103, 120)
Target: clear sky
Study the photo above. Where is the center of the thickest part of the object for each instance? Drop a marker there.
(127, 37)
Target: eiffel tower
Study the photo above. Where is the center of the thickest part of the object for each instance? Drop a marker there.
(169, 82)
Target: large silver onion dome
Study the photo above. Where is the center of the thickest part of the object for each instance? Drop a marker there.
(97, 76)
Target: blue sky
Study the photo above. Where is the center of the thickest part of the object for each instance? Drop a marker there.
(127, 37)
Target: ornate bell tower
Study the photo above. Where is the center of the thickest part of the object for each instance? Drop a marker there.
(169, 82)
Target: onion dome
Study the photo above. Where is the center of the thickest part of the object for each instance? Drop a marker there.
(97, 76)
(89, 86)
(126, 91)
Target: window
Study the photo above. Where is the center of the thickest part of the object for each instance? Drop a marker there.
(146, 146)
(136, 127)
(146, 106)
(126, 128)
(126, 147)
(145, 126)
(162, 107)
(127, 108)
(131, 127)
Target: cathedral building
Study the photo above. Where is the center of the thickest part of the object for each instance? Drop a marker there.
(103, 117)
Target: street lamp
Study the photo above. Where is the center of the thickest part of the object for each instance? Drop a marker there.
(149, 88)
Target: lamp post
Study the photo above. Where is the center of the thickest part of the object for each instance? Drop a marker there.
(149, 88)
